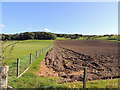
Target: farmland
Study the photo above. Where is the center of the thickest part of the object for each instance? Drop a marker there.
(70, 49)
(69, 57)
(22, 50)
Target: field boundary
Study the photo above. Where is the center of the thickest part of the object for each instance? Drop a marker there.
(42, 51)
(23, 72)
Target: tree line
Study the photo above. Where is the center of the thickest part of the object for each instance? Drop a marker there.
(50, 36)
(71, 36)
(38, 35)
(29, 35)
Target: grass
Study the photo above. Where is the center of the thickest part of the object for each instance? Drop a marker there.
(110, 83)
(22, 51)
(62, 38)
(112, 38)
(31, 79)
(23, 48)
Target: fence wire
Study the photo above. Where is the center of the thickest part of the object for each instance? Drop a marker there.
(25, 62)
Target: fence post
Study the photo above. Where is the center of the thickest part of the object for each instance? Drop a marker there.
(36, 54)
(30, 58)
(84, 77)
(18, 66)
(4, 77)
(42, 51)
(0, 72)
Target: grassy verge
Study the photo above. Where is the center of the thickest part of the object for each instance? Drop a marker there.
(110, 83)
(22, 50)
(31, 79)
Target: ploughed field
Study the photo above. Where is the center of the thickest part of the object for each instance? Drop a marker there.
(68, 58)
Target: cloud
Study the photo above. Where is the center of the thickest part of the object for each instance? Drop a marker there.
(2, 26)
(47, 30)
(59, 32)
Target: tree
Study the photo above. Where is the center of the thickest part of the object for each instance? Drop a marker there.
(74, 36)
(30, 35)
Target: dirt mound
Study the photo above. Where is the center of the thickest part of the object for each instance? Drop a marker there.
(69, 57)
(44, 71)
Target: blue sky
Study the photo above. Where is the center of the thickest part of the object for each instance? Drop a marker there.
(60, 17)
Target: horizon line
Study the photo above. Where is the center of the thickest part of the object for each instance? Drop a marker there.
(64, 33)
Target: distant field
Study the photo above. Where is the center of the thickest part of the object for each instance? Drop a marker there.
(25, 47)
(112, 38)
(61, 38)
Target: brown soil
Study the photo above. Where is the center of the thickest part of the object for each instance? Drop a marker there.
(69, 57)
(44, 71)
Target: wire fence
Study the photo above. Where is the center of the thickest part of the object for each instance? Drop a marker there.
(21, 65)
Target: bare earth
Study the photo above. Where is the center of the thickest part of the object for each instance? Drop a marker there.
(44, 71)
(68, 58)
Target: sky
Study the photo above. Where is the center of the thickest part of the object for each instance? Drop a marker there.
(60, 17)
(60, 0)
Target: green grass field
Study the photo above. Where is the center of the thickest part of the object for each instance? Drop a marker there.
(112, 38)
(31, 79)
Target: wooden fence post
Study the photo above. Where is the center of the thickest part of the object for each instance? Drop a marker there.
(42, 51)
(30, 58)
(4, 77)
(84, 77)
(36, 54)
(18, 66)
(0, 77)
